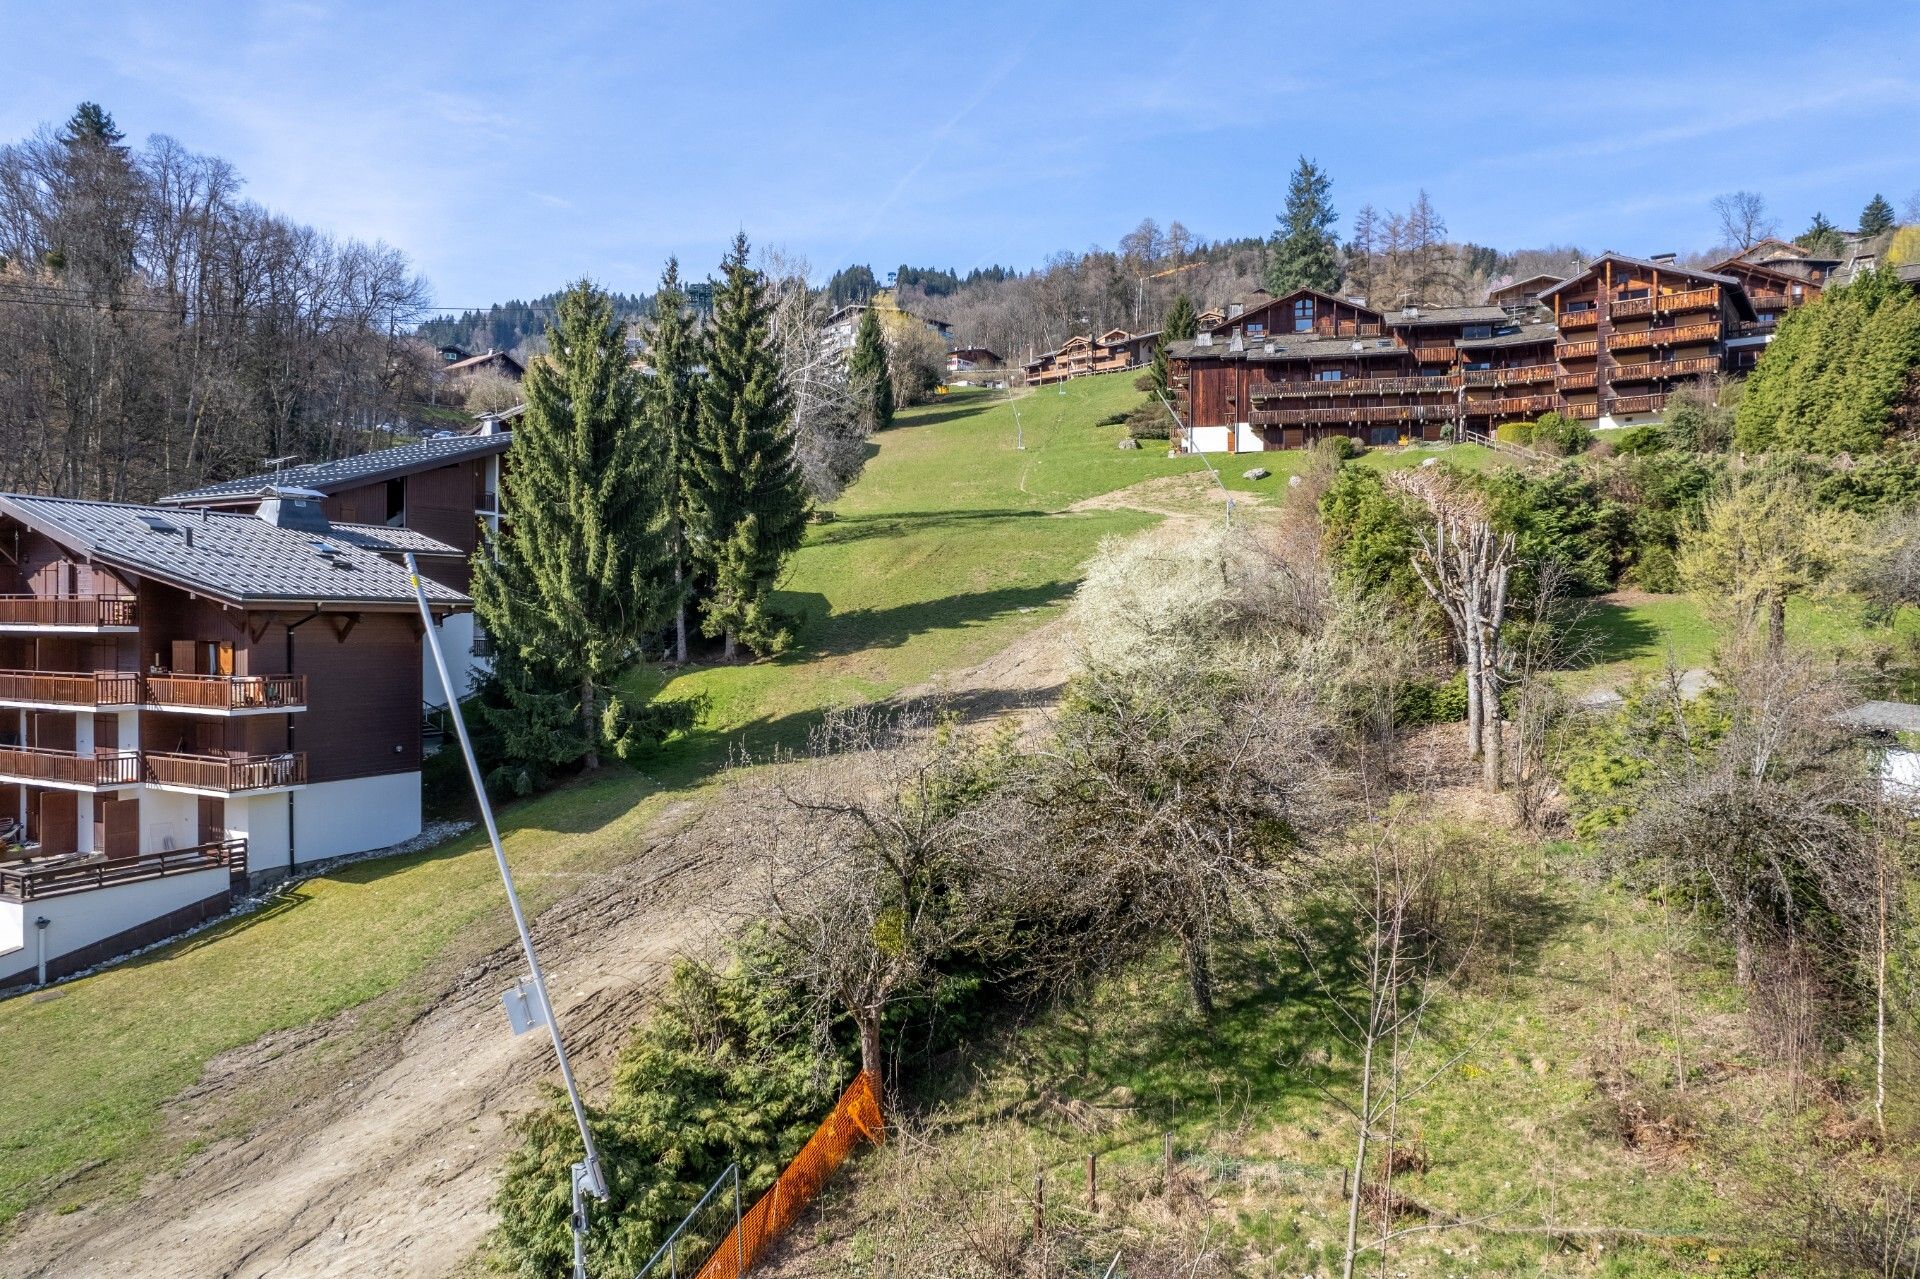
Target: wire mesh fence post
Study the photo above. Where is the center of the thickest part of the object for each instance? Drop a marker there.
(1039, 1206)
(1093, 1183)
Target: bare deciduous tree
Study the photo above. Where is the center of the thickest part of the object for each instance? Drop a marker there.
(829, 438)
(1743, 218)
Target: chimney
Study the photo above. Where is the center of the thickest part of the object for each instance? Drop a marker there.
(1234, 309)
(1664, 259)
(294, 508)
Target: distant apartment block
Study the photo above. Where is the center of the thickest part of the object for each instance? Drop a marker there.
(193, 700)
(1607, 346)
(1114, 351)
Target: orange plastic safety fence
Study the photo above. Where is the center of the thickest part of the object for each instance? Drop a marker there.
(855, 1116)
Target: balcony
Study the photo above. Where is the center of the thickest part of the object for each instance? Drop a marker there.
(57, 877)
(1667, 303)
(1577, 381)
(227, 693)
(1579, 319)
(1664, 335)
(1445, 384)
(1653, 369)
(224, 774)
(1588, 410)
(69, 770)
(1637, 404)
(84, 613)
(1434, 354)
(1524, 403)
(1583, 350)
(70, 688)
(1516, 376)
(1344, 416)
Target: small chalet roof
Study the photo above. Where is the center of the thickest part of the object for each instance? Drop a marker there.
(1884, 717)
(974, 353)
(240, 560)
(1672, 268)
(1285, 347)
(1448, 315)
(351, 472)
(1525, 335)
(1260, 300)
(474, 362)
(1544, 278)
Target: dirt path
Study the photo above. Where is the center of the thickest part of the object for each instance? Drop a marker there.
(382, 1161)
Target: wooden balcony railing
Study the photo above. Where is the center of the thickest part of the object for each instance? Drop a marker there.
(227, 692)
(1443, 384)
(1519, 375)
(1663, 335)
(1335, 415)
(1343, 329)
(1577, 381)
(79, 610)
(71, 688)
(1588, 410)
(102, 768)
(1525, 403)
(1665, 368)
(1579, 319)
(1637, 404)
(227, 774)
(1434, 354)
(22, 883)
(1582, 350)
(1667, 303)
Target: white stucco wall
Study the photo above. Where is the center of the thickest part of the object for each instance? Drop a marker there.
(1900, 774)
(456, 639)
(261, 820)
(1207, 439)
(168, 820)
(335, 819)
(80, 919)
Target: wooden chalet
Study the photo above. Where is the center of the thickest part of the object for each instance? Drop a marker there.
(1114, 351)
(496, 361)
(192, 700)
(1606, 346)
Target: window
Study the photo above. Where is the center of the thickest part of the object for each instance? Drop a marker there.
(1478, 364)
(1303, 316)
(1256, 330)
(1328, 375)
(1478, 331)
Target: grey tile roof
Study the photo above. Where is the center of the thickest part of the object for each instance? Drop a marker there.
(1449, 315)
(239, 559)
(1285, 348)
(1527, 335)
(350, 472)
(1673, 267)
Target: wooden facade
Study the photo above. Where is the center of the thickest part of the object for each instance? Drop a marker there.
(1114, 351)
(1609, 344)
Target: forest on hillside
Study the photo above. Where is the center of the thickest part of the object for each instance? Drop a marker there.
(163, 330)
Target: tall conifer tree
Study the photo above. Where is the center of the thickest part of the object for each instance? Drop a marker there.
(671, 402)
(580, 573)
(867, 372)
(1303, 253)
(745, 504)
(1180, 324)
(1877, 217)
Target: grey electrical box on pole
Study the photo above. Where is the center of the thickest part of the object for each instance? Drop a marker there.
(527, 1003)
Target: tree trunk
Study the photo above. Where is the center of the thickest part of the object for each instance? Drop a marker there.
(1777, 624)
(1359, 1156)
(869, 1019)
(1742, 955)
(1199, 975)
(679, 620)
(726, 650)
(1880, 1000)
(589, 723)
(1476, 711)
(1490, 726)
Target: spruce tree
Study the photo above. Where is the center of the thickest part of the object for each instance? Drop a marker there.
(1877, 217)
(670, 398)
(867, 373)
(1304, 253)
(746, 508)
(1822, 238)
(1180, 324)
(579, 575)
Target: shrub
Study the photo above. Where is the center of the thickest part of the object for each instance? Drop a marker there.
(1343, 447)
(1518, 434)
(1561, 436)
(1432, 702)
(1147, 422)
(1636, 440)
(1113, 419)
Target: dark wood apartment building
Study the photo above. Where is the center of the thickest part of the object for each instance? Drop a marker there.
(190, 699)
(1607, 346)
(447, 488)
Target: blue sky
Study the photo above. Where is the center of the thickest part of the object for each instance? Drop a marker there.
(509, 148)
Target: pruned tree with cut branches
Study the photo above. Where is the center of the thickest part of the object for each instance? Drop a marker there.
(1466, 567)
